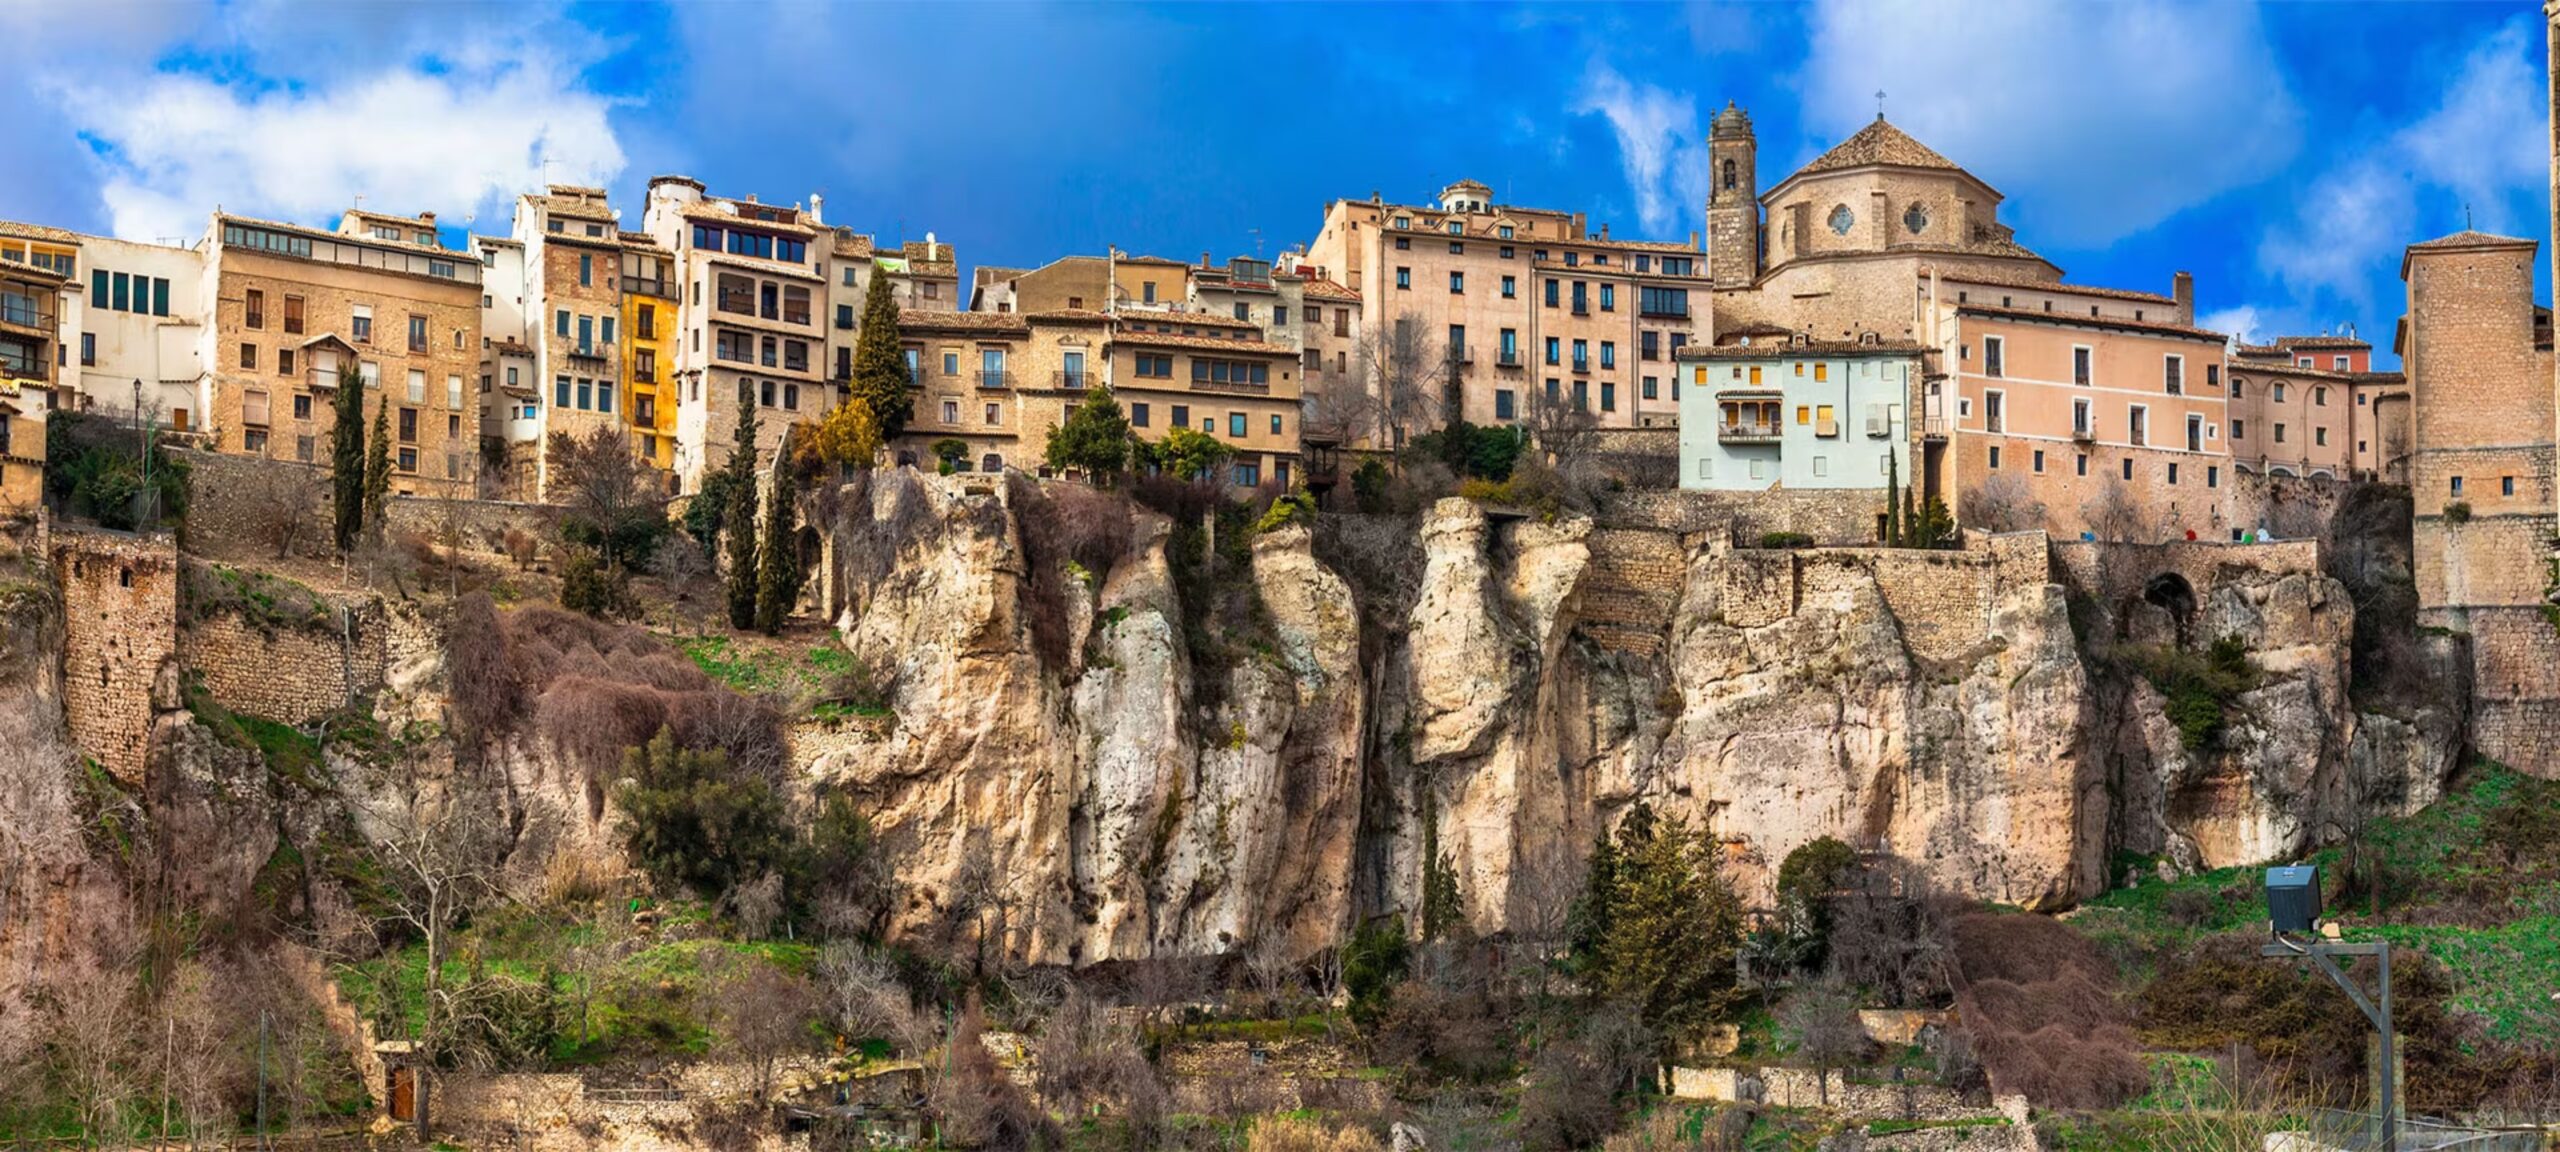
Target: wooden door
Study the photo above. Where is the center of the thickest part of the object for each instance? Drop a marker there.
(404, 1094)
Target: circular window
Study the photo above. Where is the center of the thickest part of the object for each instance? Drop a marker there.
(1915, 218)
(1842, 218)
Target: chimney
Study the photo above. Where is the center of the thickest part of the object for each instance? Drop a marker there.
(2185, 294)
(751, 197)
(1693, 240)
(427, 218)
(1204, 257)
(817, 209)
(1604, 230)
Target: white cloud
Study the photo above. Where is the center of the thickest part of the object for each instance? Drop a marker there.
(2479, 150)
(2241, 323)
(1659, 145)
(2098, 121)
(452, 140)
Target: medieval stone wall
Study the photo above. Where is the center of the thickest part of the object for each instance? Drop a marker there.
(120, 616)
(2515, 718)
(297, 672)
(231, 498)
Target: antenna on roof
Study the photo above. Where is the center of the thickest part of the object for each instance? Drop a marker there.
(1879, 103)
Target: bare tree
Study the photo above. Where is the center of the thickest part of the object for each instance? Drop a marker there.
(93, 1022)
(439, 861)
(762, 1017)
(283, 505)
(199, 1050)
(2115, 515)
(1273, 970)
(1566, 433)
(862, 993)
(2001, 504)
(1821, 1020)
(614, 501)
(1399, 376)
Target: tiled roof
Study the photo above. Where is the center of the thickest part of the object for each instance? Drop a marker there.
(2155, 327)
(996, 323)
(1194, 319)
(1125, 258)
(37, 232)
(1319, 288)
(2472, 238)
(1202, 343)
(1069, 316)
(1977, 276)
(1809, 348)
(2315, 343)
(1878, 143)
(631, 239)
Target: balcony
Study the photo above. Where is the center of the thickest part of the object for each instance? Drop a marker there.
(2084, 433)
(1244, 387)
(1071, 381)
(588, 352)
(1582, 366)
(662, 288)
(994, 378)
(34, 313)
(1933, 429)
(1462, 355)
(1749, 432)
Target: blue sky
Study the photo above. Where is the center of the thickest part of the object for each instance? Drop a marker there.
(2282, 153)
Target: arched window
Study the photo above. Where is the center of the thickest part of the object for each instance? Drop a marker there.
(992, 463)
(1728, 173)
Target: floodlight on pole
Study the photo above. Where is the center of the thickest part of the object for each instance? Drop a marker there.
(2293, 909)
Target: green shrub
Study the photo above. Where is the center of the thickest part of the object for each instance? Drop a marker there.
(696, 821)
(1369, 486)
(591, 586)
(1785, 540)
(2458, 512)
(1292, 508)
(2198, 686)
(949, 451)
(1372, 964)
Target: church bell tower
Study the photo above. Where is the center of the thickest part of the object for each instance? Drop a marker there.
(1733, 207)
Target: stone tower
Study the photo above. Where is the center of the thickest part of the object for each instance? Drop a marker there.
(1733, 207)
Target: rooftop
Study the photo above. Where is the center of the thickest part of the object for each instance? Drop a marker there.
(1879, 143)
(1319, 288)
(1980, 276)
(1202, 343)
(2153, 327)
(993, 323)
(1783, 349)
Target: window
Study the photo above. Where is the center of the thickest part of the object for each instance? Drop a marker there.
(408, 425)
(2506, 486)
(2080, 423)
(994, 414)
(1994, 414)
(1138, 414)
(1581, 297)
(305, 448)
(2239, 429)
(2212, 377)
(1248, 475)
(1822, 421)
(1581, 355)
(1275, 424)
(1510, 287)
(1995, 457)
(2138, 425)
(1555, 353)
(1649, 345)
(1992, 347)
(2212, 476)
(1404, 277)
(1505, 407)
(409, 460)
(1663, 301)
(417, 386)
(2128, 468)
(2279, 432)
(2239, 388)
(1608, 353)
(586, 269)
(249, 356)
(1821, 370)
(2320, 436)
(1608, 396)
(2319, 397)
(1181, 416)
(254, 439)
(1649, 389)
(2457, 485)
(284, 361)
(417, 333)
(991, 367)
(253, 406)
(560, 392)
(88, 348)
(361, 325)
(1552, 290)
(2035, 461)
(950, 411)
(2173, 374)
(1608, 297)
(1457, 284)
(2279, 393)
(2080, 466)
(453, 391)
(253, 309)
(795, 305)
(2080, 364)
(293, 314)
(1160, 367)
(2173, 472)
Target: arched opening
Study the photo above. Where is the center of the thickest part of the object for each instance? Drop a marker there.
(2284, 472)
(2171, 593)
(991, 463)
(1729, 174)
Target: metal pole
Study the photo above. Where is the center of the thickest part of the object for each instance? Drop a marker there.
(2390, 1063)
(262, 1079)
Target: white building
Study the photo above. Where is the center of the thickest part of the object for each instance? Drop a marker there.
(131, 324)
(1796, 414)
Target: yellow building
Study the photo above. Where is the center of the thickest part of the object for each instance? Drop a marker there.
(648, 348)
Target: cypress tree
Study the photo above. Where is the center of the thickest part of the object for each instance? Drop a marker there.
(1892, 501)
(778, 564)
(346, 458)
(377, 468)
(880, 365)
(741, 521)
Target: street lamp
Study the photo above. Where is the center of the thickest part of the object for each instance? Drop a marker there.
(2293, 910)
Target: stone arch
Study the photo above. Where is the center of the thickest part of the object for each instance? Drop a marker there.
(2280, 470)
(2171, 593)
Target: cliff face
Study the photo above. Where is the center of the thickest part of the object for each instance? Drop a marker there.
(1941, 706)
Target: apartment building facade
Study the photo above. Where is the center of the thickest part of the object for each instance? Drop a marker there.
(748, 277)
(1524, 304)
(649, 323)
(290, 305)
(2297, 413)
(1798, 414)
(129, 320)
(511, 402)
(1236, 387)
(31, 364)
(2091, 399)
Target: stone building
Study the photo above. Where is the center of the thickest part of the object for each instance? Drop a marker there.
(1798, 414)
(1232, 385)
(748, 278)
(1522, 304)
(2478, 355)
(2302, 406)
(288, 305)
